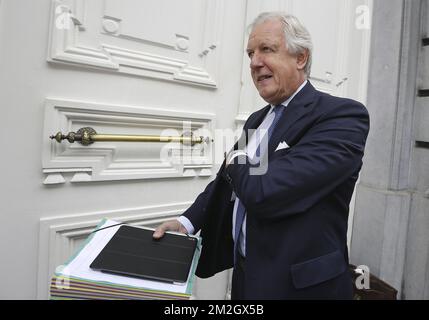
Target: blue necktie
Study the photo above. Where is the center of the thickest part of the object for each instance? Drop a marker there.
(241, 211)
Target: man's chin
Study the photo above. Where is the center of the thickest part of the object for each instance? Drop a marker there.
(267, 98)
(264, 94)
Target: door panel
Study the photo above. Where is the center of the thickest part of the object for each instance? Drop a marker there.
(173, 41)
(138, 67)
(141, 67)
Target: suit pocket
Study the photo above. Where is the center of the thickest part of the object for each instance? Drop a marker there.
(280, 153)
(318, 270)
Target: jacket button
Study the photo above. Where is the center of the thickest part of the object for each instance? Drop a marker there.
(228, 178)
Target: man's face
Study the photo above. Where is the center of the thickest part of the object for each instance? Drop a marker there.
(276, 73)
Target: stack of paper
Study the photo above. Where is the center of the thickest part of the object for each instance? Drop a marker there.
(75, 280)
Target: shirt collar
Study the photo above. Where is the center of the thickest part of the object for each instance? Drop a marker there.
(286, 102)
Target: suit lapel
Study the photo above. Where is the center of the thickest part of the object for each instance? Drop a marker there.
(256, 122)
(249, 128)
(297, 108)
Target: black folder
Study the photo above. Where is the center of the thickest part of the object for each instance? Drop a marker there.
(132, 251)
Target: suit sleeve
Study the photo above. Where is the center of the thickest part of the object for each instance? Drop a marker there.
(328, 154)
(196, 212)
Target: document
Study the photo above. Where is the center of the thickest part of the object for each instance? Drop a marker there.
(77, 268)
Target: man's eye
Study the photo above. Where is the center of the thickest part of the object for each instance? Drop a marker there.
(267, 49)
(250, 54)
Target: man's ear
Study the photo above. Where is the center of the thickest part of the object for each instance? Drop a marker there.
(301, 59)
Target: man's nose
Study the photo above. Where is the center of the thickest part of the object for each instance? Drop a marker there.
(256, 61)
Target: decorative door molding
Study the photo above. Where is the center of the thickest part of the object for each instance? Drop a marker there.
(111, 35)
(109, 161)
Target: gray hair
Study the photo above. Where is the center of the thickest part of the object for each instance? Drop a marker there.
(297, 37)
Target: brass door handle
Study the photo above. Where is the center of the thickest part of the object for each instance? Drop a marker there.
(88, 135)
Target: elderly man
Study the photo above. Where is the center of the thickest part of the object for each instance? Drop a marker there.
(278, 209)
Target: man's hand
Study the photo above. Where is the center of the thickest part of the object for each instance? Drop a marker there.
(171, 225)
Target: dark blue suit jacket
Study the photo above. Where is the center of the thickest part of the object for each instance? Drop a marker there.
(297, 212)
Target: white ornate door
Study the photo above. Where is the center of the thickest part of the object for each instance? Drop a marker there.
(147, 67)
(121, 67)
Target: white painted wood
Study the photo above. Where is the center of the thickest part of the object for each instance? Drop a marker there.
(109, 161)
(184, 49)
(179, 67)
(129, 67)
